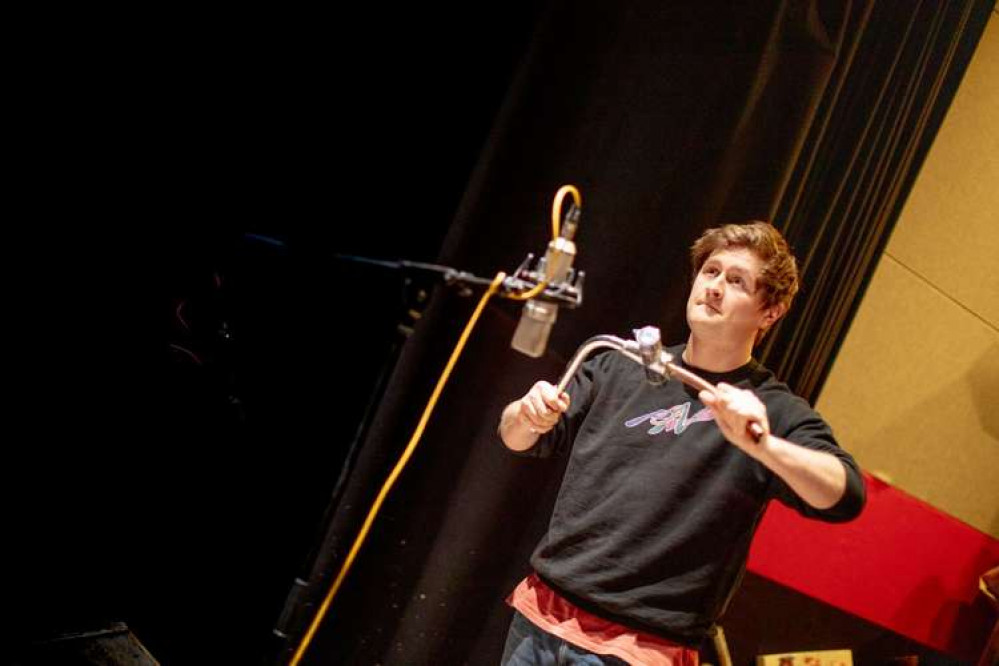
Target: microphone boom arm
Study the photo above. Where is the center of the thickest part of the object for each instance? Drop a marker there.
(568, 293)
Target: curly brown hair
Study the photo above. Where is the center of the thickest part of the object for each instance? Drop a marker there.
(779, 277)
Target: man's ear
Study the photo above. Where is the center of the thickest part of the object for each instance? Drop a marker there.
(770, 317)
(773, 313)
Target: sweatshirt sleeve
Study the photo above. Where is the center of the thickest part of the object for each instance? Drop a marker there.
(806, 427)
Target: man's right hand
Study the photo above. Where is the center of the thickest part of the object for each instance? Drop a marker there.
(525, 420)
(542, 407)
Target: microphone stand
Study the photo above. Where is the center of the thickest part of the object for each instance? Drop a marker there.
(418, 280)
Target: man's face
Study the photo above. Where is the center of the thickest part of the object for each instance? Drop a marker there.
(725, 303)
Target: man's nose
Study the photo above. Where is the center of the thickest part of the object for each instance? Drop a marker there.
(714, 286)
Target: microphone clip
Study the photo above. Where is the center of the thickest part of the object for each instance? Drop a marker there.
(567, 292)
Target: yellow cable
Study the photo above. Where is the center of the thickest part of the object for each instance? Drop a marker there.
(396, 471)
(556, 213)
(557, 205)
(530, 293)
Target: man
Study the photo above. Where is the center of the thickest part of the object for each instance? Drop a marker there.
(665, 486)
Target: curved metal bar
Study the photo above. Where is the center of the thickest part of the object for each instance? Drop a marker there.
(585, 350)
(631, 349)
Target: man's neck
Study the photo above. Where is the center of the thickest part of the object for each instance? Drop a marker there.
(716, 357)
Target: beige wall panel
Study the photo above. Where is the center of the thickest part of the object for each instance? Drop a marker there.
(914, 394)
(914, 391)
(949, 229)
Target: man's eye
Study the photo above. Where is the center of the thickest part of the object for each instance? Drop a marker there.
(735, 279)
(711, 271)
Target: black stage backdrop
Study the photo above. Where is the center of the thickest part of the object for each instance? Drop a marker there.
(669, 118)
(209, 360)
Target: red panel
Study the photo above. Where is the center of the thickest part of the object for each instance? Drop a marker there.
(902, 564)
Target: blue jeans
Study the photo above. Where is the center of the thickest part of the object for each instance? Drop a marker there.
(529, 645)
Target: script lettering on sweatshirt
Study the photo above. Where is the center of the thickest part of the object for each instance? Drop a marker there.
(674, 419)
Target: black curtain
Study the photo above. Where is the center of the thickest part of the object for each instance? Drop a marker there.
(898, 66)
(669, 118)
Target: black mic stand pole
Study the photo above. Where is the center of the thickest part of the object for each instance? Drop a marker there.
(418, 281)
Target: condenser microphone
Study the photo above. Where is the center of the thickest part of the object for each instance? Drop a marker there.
(538, 317)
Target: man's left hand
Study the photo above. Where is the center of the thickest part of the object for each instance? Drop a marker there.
(735, 411)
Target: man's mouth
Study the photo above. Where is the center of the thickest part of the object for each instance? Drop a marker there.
(710, 307)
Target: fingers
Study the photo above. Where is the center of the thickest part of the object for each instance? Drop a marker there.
(736, 411)
(542, 407)
(555, 401)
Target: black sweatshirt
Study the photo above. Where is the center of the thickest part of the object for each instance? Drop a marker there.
(654, 519)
